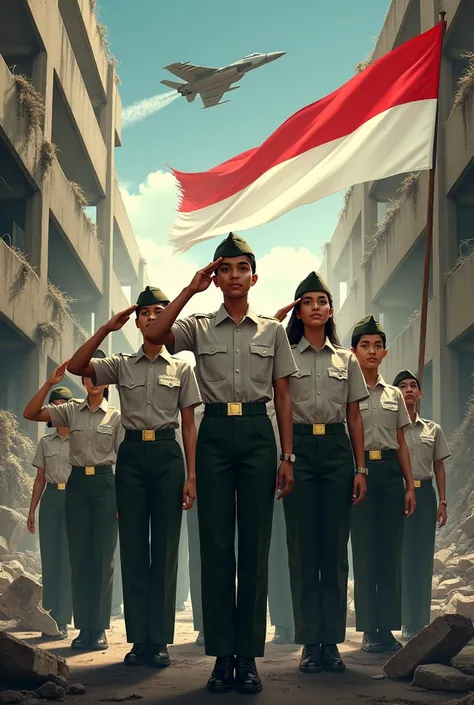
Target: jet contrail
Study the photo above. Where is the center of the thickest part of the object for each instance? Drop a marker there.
(144, 108)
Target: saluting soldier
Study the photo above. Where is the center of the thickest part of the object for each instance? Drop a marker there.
(154, 388)
(53, 470)
(240, 356)
(325, 392)
(428, 450)
(95, 433)
(377, 523)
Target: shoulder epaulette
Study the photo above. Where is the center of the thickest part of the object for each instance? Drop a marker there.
(205, 315)
(294, 346)
(268, 318)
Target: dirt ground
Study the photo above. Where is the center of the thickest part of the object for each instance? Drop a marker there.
(183, 683)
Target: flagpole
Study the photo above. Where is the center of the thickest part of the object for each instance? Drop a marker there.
(428, 246)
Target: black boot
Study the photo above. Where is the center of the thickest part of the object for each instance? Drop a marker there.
(247, 679)
(280, 635)
(371, 643)
(98, 641)
(82, 640)
(158, 656)
(310, 659)
(388, 641)
(331, 658)
(200, 639)
(222, 677)
(137, 656)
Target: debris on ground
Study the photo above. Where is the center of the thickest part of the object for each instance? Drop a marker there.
(438, 676)
(20, 662)
(22, 599)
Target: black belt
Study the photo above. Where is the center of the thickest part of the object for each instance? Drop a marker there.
(236, 408)
(422, 483)
(55, 485)
(91, 470)
(319, 429)
(380, 454)
(162, 434)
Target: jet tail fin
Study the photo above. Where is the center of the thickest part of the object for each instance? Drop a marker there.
(173, 84)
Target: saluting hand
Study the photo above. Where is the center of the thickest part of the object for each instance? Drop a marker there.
(202, 279)
(360, 489)
(57, 375)
(283, 312)
(120, 319)
(285, 479)
(410, 503)
(189, 494)
(442, 516)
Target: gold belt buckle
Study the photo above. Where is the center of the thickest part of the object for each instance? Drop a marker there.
(148, 435)
(319, 429)
(417, 483)
(375, 455)
(234, 409)
(90, 471)
(61, 485)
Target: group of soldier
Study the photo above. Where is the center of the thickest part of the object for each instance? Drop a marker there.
(355, 460)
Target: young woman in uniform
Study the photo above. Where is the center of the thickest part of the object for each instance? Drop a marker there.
(53, 470)
(95, 433)
(325, 393)
(428, 450)
(377, 524)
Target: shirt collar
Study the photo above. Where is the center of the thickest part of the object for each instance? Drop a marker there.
(222, 314)
(163, 353)
(418, 420)
(104, 405)
(304, 344)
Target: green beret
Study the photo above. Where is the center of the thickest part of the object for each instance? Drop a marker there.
(367, 326)
(152, 295)
(405, 374)
(313, 282)
(60, 393)
(233, 246)
(100, 354)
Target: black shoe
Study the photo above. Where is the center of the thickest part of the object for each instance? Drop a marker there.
(371, 643)
(180, 606)
(409, 633)
(98, 641)
(200, 639)
(137, 656)
(222, 677)
(63, 634)
(82, 640)
(158, 656)
(311, 659)
(388, 641)
(247, 679)
(280, 635)
(331, 658)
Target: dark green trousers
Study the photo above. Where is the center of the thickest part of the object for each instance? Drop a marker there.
(318, 512)
(377, 534)
(149, 485)
(194, 552)
(279, 591)
(236, 470)
(55, 565)
(417, 559)
(91, 519)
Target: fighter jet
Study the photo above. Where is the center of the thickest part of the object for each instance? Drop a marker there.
(212, 83)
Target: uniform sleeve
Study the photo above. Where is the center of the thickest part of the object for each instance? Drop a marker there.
(357, 387)
(184, 331)
(284, 364)
(189, 394)
(62, 414)
(441, 450)
(403, 418)
(106, 370)
(38, 460)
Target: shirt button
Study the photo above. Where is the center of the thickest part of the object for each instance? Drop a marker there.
(237, 350)
(319, 392)
(212, 349)
(319, 374)
(237, 330)
(237, 370)
(148, 402)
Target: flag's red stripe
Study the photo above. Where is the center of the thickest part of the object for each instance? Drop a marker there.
(407, 74)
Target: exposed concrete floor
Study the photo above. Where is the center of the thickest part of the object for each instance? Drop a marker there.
(183, 683)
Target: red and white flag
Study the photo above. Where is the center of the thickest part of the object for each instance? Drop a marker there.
(378, 124)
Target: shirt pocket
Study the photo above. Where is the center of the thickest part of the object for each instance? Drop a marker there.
(300, 385)
(389, 413)
(76, 430)
(212, 362)
(261, 362)
(427, 448)
(104, 438)
(168, 392)
(338, 384)
(132, 393)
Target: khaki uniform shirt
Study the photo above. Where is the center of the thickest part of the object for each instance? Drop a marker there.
(52, 454)
(327, 380)
(383, 413)
(426, 443)
(94, 436)
(235, 362)
(152, 392)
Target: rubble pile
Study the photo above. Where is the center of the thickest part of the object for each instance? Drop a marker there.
(16, 471)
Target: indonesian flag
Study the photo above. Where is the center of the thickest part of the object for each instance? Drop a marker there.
(378, 124)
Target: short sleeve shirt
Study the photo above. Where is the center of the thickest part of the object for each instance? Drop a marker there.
(152, 392)
(94, 436)
(235, 362)
(52, 454)
(383, 413)
(327, 380)
(426, 443)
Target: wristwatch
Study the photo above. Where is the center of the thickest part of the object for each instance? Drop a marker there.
(443, 501)
(288, 456)
(362, 471)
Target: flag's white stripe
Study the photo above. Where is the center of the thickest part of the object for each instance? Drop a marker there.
(394, 142)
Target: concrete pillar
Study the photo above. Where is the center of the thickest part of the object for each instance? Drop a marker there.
(368, 222)
(34, 374)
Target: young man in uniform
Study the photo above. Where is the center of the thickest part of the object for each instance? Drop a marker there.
(428, 450)
(241, 358)
(151, 491)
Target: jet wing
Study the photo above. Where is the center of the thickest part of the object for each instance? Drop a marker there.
(188, 72)
(211, 96)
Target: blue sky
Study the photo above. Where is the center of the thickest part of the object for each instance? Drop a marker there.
(324, 41)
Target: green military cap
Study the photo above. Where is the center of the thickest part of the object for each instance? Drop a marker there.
(313, 282)
(152, 295)
(406, 374)
(60, 393)
(233, 246)
(367, 326)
